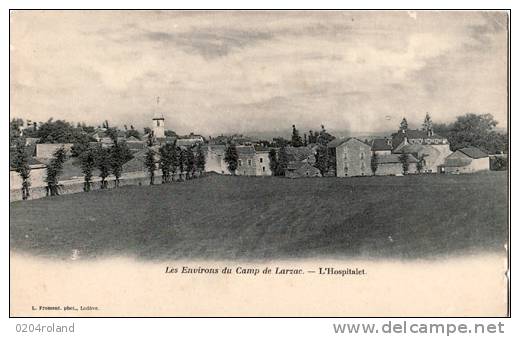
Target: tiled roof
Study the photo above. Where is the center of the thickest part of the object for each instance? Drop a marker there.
(338, 141)
(381, 144)
(298, 153)
(473, 152)
(245, 150)
(394, 159)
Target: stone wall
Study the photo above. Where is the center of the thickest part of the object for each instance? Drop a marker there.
(76, 186)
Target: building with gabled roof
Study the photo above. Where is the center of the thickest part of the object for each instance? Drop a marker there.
(466, 160)
(352, 155)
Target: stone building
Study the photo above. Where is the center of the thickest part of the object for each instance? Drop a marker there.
(352, 157)
(466, 160)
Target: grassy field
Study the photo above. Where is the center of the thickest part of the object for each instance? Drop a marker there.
(271, 218)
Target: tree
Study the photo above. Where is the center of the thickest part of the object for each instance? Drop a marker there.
(273, 162)
(147, 130)
(476, 130)
(296, 140)
(427, 124)
(170, 133)
(283, 161)
(119, 154)
(87, 161)
(231, 158)
(190, 164)
(21, 165)
(79, 147)
(420, 163)
(132, 133)
(166, 161)
(374, 163)
(404, 125)
(279, 142)
(324, 137)
(149, 162)
(54, 169)
(60, 131)
(312, 137)
(112, 134)
(103, 164)
(305, 139)
(200, 160)
(322, 159)
(403, 158)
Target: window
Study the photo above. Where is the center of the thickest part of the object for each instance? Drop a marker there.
(158, 123)
(240, 162)
(362, 155)
(362, 166)
(263, 168)
(249, 162)
(261, 160)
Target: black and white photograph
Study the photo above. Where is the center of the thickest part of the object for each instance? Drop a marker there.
(259, 163)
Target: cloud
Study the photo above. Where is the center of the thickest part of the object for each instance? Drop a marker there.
(209, 44)
(247, 71)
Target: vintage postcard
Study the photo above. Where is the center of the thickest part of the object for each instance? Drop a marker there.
(335, 163)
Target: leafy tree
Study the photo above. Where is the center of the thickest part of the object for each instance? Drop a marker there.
(373, 163)
(147, 130)
(324, 137)
(167, 163)
(103, 164)
(170, 133)
(190, 164)
(200, 160)
(322, 159)
(149, 140)
(279, 142)
(133, 133)
(54, 169)
(112, 134)
(305, 139)
(119, 154)
(60, 131)
(149, 162)
(14, 130)
(231, 158)
(296, 139)
(183, 162)
(474, 130)
(87, 161)
(427, 124)
(79, 147)
(420, 163)
(403, 158)
(312, 137)
(21, 166)
(404, 125)
(283, 161)
(273, 162)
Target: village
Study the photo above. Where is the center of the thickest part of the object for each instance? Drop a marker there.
(160, 156)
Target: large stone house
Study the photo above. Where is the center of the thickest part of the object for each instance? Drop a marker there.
(352, 157)
(466, 160)
(246, 160)
(432, 149)
(262, 161)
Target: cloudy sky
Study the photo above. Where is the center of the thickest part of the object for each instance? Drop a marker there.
(222, 72)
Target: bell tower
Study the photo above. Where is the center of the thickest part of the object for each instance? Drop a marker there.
(158, 123)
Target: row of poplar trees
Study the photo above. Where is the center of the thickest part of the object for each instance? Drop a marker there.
(172, 159)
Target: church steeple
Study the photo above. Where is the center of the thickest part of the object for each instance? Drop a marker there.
(158, 122)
